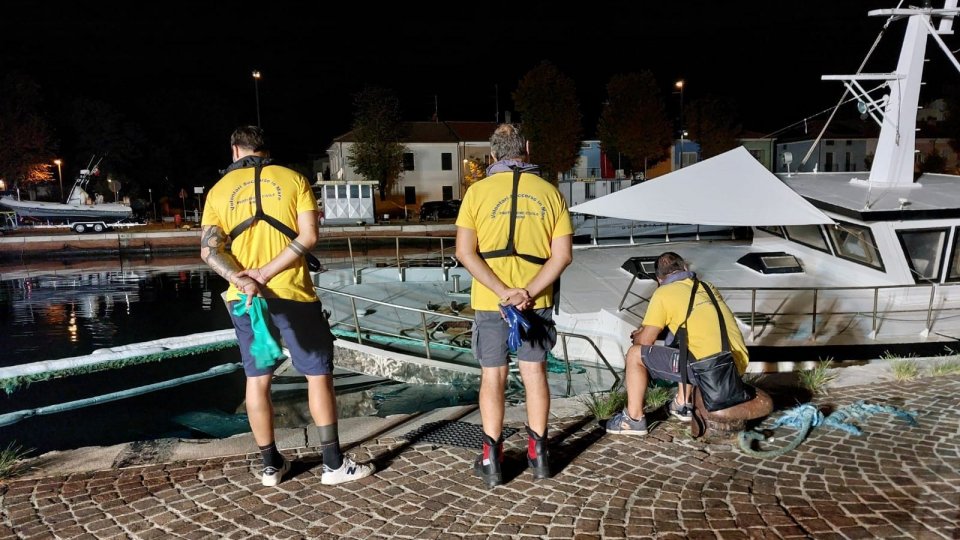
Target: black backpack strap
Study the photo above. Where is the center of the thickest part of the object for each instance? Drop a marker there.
(724, 338)
(312, 262)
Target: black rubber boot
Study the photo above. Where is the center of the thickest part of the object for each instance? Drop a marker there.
(489, 464)
(538, 456)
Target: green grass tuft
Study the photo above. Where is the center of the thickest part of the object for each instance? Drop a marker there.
(12, 461)
(905, 370)
(946, 367)
(603, 405)
(816, 380)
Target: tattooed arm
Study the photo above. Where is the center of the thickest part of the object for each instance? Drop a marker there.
(213, 251)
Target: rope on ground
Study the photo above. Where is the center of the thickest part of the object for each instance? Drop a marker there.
(805, 417)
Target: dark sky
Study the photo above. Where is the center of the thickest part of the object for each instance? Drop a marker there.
(314, 55)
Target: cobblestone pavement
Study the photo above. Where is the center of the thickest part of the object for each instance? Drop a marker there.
(893, 481)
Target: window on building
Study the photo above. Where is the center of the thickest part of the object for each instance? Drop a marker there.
(848, 159)
(354, 192)
(342, 191)
(757, 154)
(446, 161)
(828, 162)
(447, 193)
(408, 161)
(590, 190)
(365, 192)
(689, 158)
(331, 192)
(409, 195)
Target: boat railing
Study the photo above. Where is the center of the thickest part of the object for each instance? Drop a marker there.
(429, 322)
(388, 251)
(872, 298)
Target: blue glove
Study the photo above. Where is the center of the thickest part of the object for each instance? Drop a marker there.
(515, 320)
(264, 348)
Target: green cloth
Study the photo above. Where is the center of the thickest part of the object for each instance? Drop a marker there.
(265, 350)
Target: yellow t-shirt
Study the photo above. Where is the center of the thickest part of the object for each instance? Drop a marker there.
(541, 216)
(284, 194)
(668, 308)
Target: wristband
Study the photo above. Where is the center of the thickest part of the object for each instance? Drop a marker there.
(297, 247)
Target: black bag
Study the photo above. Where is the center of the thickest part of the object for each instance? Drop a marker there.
(719, 382)
(715, 376)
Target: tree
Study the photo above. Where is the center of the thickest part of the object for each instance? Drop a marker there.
(26, 140)
(547, 102)
(715, 124)
(634, 119)
(377, 153)
(100, 129)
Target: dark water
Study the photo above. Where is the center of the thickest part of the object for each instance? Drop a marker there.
(56, 315)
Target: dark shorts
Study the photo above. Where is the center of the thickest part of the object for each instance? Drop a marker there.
(663, 363)
(304, 332)
(490, 337)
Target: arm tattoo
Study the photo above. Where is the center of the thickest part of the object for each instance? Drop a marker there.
(213, 251)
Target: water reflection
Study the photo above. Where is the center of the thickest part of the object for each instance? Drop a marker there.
(49, 312)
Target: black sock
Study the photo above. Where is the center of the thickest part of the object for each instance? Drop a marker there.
(271, 456)
(330, 446)
(332, 455)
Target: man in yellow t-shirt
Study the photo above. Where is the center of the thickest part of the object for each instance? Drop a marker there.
(515, 247)
(264, 260)
(668, 309)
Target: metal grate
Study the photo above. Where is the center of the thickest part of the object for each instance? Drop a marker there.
(460, 434)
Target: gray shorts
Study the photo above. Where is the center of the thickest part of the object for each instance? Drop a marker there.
(664, 363)
(490, 337)
(303, 329)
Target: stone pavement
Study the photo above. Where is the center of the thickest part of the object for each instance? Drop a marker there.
(893, 481)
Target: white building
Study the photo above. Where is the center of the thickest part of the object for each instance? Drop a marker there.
(435, 163)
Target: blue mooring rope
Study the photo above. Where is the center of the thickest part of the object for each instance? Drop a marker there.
(805, 417)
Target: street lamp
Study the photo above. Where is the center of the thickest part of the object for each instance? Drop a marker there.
(256, 93)
(679, 84)
(59, 162)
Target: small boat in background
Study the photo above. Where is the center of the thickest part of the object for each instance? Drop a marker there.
(78, 207)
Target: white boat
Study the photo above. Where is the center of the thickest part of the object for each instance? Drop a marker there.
(836, 258)
(78, 207)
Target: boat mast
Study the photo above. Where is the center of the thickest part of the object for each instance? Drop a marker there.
(896, 112)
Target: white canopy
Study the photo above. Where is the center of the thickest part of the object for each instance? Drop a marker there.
(732, 189)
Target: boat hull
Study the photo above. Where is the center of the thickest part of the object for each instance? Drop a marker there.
(66, 212)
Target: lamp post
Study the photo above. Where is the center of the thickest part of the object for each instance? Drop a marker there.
(59, 162)
(256, 92)
(679, 84)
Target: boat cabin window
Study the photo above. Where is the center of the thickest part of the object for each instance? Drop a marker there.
(855, 243)
(775, 262)
(954, 273)
(773, 229)
(924, 250)
(808, 235)
(641, 267)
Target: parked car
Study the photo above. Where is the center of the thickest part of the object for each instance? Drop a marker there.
(439, 209)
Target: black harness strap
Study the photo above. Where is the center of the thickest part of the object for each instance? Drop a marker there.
(312, 262)
(510, 250)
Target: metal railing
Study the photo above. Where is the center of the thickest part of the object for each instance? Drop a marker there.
(368, 333)
(867, 294)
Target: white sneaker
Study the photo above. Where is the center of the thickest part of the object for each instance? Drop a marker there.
(271, 476)
(350, 470)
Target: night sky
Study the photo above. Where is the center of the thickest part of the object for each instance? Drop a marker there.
(179, 56)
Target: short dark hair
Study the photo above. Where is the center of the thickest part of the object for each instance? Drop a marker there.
(507, 142)
(668, 263)
(249, 137)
